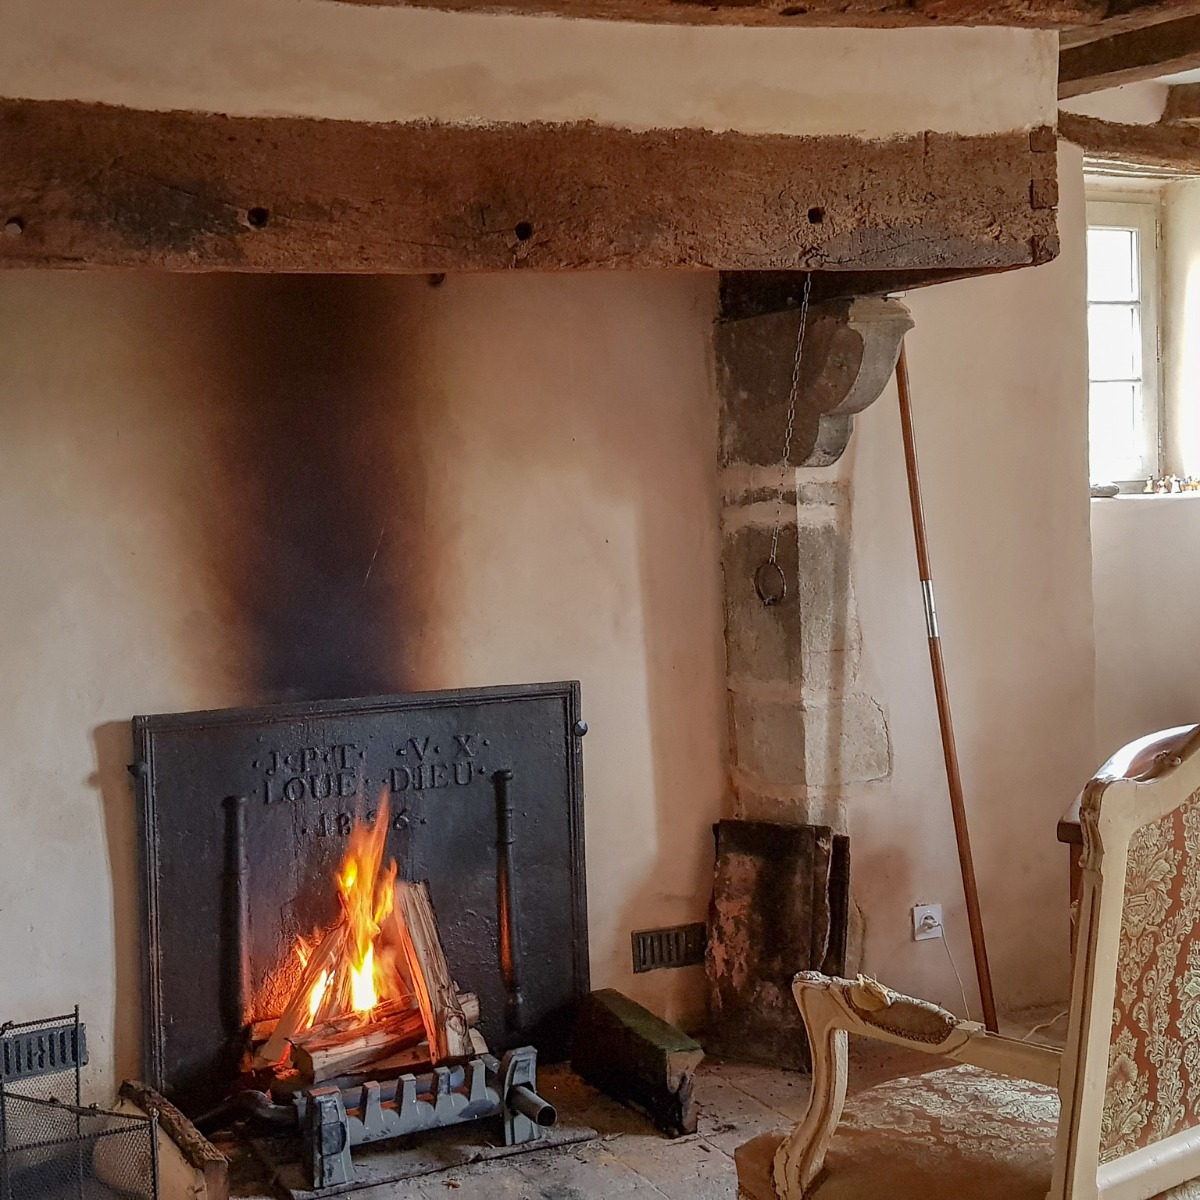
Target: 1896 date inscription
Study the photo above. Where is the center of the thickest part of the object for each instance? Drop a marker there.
(338, 772)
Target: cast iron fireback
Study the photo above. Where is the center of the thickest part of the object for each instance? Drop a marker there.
(245, 815)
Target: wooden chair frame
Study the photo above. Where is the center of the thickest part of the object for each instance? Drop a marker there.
(1140, 785)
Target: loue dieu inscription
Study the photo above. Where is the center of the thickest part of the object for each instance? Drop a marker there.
(338, 772)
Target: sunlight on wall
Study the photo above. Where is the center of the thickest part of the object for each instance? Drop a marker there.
(1181, 347)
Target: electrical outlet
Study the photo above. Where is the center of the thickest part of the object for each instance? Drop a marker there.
(927, 922)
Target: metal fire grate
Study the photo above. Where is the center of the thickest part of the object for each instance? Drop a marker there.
(52, 1147)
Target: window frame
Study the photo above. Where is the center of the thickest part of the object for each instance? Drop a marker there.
(1138, 209)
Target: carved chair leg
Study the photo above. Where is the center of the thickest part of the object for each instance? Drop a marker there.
(800, 1158)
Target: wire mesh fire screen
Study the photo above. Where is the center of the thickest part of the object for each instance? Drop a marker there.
(51, 1145)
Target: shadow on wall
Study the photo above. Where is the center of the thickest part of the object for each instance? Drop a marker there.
(314, 527)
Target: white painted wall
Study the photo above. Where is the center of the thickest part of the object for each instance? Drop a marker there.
(1146, 554)
(1146, 549)
(314, 58)
(999, 394)
(1133, 104)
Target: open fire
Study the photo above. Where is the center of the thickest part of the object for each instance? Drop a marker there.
(375, 991)
(374, 1003)
(364, 970)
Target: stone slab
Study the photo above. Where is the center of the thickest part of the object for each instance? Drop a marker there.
(780, 903)
(630, 1053)
(811, 638)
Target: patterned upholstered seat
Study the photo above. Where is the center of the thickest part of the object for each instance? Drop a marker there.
(955, 1133)
(961, 1133)
(1117, 1114)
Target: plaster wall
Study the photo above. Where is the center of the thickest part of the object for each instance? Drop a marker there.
(511, 479)
(998, 371)
(314, 58)
(1144, 547)
(1179, 310)
(1133, 104)
(1146, 570)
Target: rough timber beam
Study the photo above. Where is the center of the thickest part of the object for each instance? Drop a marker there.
(92, 185)
(1124, 18)
(1146, 53)
(1034, 14)
(1164, 147)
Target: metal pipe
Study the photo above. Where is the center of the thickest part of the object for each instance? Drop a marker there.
(509, 933)
(958, 808)
(237, 998)
(529, 1104)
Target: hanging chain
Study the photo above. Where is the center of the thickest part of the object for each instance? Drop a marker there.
(784, 461)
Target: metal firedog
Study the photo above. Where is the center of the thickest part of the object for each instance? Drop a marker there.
(333, 1120)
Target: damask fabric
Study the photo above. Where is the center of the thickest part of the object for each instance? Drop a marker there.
(957, 1134)
(1153, 1086)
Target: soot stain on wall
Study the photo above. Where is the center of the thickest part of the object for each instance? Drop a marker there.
(317, 540)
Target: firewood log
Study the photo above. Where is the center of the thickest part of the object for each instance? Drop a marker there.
(323, 956)
(414, 929)
(319, 1055)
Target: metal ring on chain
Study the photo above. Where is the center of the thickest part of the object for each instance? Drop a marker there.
(770, 583)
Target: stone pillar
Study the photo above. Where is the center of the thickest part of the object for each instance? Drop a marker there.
(802, 727)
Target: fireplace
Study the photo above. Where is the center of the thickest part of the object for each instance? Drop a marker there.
(298, 856)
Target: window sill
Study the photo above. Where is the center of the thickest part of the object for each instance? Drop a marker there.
(1147, 497)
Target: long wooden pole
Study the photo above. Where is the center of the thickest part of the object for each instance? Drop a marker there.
(949, 751)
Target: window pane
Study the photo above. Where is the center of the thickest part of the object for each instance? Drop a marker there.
(1112, 264)
(1114, 341)
(1114, 431)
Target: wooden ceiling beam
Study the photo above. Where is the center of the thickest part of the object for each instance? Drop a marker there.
(1172, 148)
(1125, 18)
(94, 185)
(1034, 14)
(1146, 53)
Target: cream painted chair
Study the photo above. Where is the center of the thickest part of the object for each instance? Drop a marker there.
(1116, 1114)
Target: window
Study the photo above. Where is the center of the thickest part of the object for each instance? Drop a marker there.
(1123, 345)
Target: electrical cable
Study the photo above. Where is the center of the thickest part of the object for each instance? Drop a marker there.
(1066, 1012)
(962, 991)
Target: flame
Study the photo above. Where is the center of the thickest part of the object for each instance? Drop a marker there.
(360, 978)
(317, 995)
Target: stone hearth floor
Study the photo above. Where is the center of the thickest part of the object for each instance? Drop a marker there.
(630, 1160)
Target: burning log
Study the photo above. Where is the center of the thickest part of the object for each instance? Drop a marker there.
(258, 1032)
(415, 932)
(297, 1012)
(328, 1051)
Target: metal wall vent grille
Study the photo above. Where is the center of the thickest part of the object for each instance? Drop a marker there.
(676, 946)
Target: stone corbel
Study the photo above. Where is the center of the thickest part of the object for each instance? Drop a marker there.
(849, 353)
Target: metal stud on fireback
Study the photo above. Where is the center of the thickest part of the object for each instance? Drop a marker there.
(770, 583)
